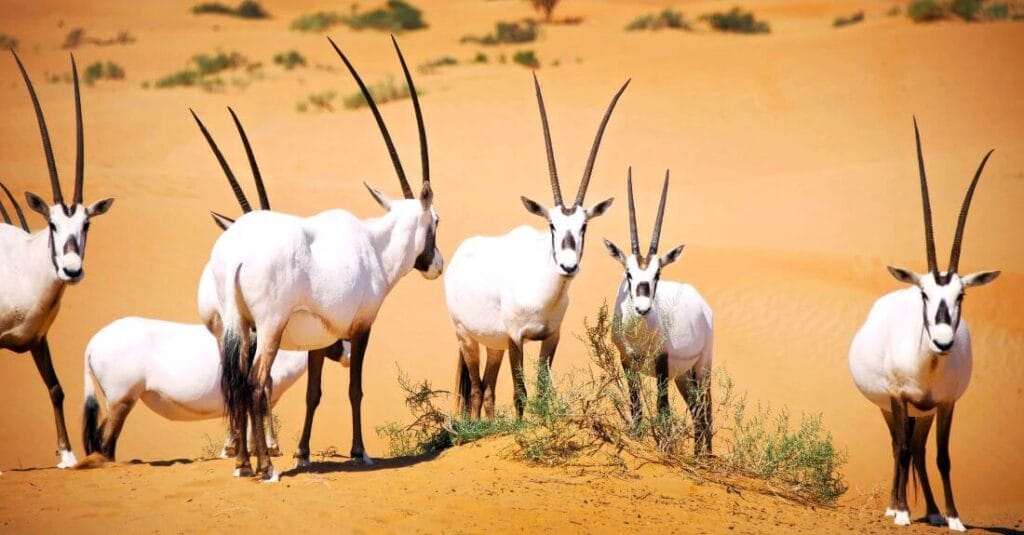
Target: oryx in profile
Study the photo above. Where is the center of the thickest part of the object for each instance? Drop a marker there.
(306, 283)
(663, 328)
(504, 290)
(35, 267)
(912, 358)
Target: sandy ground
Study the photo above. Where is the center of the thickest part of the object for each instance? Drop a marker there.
(794, 184)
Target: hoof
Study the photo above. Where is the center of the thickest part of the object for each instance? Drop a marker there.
(902, 518)
(363, 459)
(274, 451)
(955, 524)
(67, 460)
(244, 471)
(272, 476)
(935, 519)
(890, 512)
(302, 462)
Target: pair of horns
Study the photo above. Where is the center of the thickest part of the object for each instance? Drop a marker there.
(556, 189)
(634, 241)
(17, 210)
(929, 235)
(58, 197)
(261, 191)
(424, 155)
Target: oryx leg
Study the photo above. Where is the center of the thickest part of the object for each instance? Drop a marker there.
(313, 378)
(903, 431)
(661, 375)
(918, 446)
(515, 360)
(115, 423)
(547, 357)
(469, 350)
(266, 351)
(629, 362)
(230, 443)
(44, 364)
(494, 357)
(240, 422)
(945, 424)
(355, 396)
(696, 390)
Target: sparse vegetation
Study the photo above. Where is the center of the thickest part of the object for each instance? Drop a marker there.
(320, 21)
(523, 31)
(926, 10)
(480, 57)
(546, 7)
(8, 42)
(847, 21)
(383, 92)
(893, 11)
(967, 10)
(736, 21)
(103, 71)
(434, 64)
(202, 71)
(667, 18)
(210, 448)
(290, 59)
(997, 11)
(322, 101)
(247, 9)
(589, 416)
(77, 37)
(395, 16)
(527, 58)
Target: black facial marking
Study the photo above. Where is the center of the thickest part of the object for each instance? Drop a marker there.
(71, 246)
(942, 316)
(643, 289)
(426, 257)
(569, 242)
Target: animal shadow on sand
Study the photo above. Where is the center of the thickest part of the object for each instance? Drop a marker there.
(351, 465)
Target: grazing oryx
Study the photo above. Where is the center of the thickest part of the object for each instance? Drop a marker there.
(912, 358)
(35, 267)
(664, 327)
(306, 283)
(502, 291)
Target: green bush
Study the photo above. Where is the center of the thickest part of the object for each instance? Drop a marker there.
(316, 22)
(103, 71)
(526, 58)
(523, 31)
(480, 57)
(997, 11)
(847, 21)
(290, 59)
(383, 92)
(969, 10)
(396, 16)
(248, 9)
(926, 10)
(736, 21)
(666, 19)
(202, 70)
(893, 11)
(434, 64)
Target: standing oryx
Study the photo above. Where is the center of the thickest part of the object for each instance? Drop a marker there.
(912, 358)
(35, 267)
(305, 283)
(502, 291)
(664, 329)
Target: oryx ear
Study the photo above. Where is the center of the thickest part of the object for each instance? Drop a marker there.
(534, 208)
(615, 252)
(672, 255)
(980, 278)
(600, 208)
(37, 204)
(379, 197)
(426, 196)
(99, 207)
(222, 221)
(905, 275)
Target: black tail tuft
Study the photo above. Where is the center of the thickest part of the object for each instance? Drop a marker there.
(464, 387)
(234, 378)
(91, 430)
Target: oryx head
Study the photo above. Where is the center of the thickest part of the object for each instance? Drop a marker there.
(429, 261)
(942, 292)
(643, 272)
(568, 224)
(68, 223)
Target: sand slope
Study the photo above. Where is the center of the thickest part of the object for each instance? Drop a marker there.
(794, 183)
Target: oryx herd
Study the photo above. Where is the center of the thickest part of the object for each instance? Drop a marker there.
(280, 293)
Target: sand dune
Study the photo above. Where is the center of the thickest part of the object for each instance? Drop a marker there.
(794, 184)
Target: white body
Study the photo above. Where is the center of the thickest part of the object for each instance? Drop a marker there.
(30, 289)
(891, 357)
(680, 323)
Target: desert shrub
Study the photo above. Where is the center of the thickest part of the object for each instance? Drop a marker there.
(247, 9)
(290, 59)
(77, 37)
(847, 21)
(668, 18)
(316, 22)
(480, 57)
(322, 101)
(383, 92)
(210, 448)
(103, 71)
(926, 10)
(736, 21)
(202, 71)
(546, 7)
(523, 31)
(526, 58)
(969, 10)
(893, 11)
(395, 16)
(434, 64)
(74, 38)
(8, 42)
(997, 11)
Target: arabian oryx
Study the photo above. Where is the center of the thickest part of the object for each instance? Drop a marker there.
(912, 358)
(663, 328)
(305, 283)
(35, 267)
(504, 290)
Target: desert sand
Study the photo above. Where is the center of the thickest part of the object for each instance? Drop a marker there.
(794, 183)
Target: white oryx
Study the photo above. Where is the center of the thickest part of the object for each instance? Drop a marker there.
(663, 328)
(306, 283)
(504, 290)
(912, 358)
(36, 267)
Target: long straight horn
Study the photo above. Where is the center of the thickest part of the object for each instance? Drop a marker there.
(929, 234)
(597, 143)
(656, 235)
(79, 138)
(261, 191)
(406, 190)
(239, 194)
(424, 154)
(17, 208)
(58, 197)
(634, 240)
(954, 256)
(556, 188)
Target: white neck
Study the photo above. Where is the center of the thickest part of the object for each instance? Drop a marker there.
(549, 281)
(394, 236)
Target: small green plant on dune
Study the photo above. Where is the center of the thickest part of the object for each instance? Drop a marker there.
(893, 11)
(523, 31)
(850, 20)
(383, 92)
(480, 57)
(736, 21)
(526, 58)
(667, 18)
(317, 102)
(395, 16)
(968, 10)
(320, 21)
(77, 37)
(926, 10)
(546, 7)
(8, 42)
(290, 60)
(103, 71)
(210, 448)
(434, 64)
(202, 71)
(997, 11)
(247, 9)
